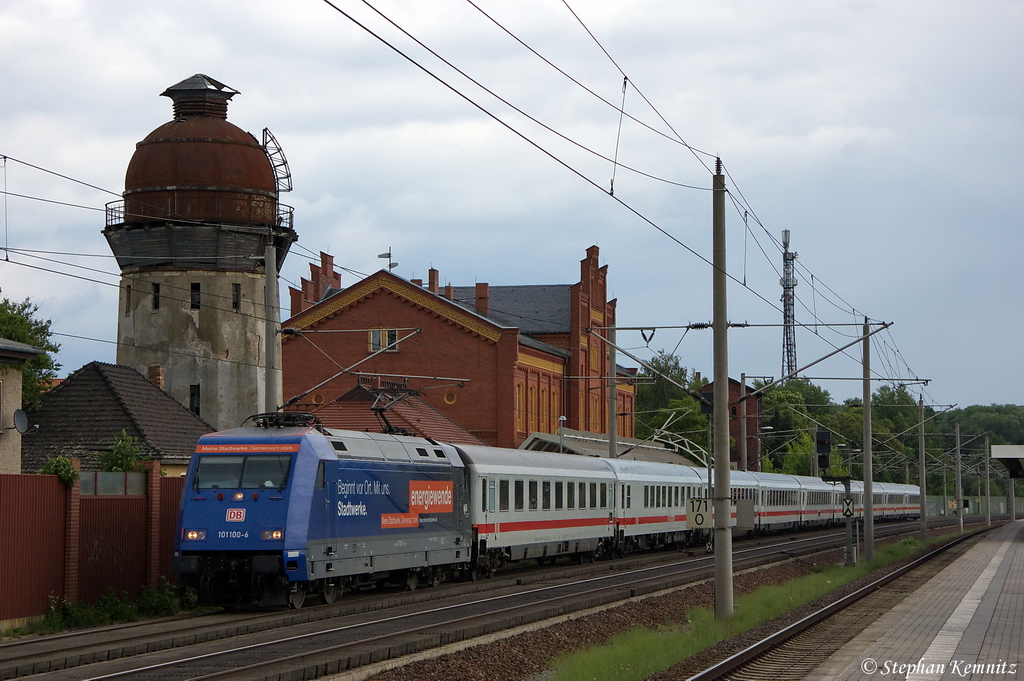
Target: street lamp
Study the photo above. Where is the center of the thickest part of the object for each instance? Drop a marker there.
(561, 428)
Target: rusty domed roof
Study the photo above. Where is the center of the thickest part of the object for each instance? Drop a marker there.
(200, 149)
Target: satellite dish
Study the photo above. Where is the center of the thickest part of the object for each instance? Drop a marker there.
(20, 420)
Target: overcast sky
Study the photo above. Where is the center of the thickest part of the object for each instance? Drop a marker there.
(887, 136)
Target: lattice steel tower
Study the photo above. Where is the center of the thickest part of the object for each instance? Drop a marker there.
(788, 282)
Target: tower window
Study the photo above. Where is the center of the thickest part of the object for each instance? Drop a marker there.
(127, 300)
(193, 398)
(156, 296)
(236, 297)
(195, 295)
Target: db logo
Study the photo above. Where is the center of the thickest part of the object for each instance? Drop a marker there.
(236, 515)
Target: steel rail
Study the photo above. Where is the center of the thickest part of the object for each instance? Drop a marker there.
(690, 567)
(755, 650)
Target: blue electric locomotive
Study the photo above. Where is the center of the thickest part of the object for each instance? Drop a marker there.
(272, 512)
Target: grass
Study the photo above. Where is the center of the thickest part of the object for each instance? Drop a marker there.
(641, 652)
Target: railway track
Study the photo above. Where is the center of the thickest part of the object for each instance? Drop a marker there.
(356, 631)
(794, 651)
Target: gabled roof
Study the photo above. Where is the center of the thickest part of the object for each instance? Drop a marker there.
(382, 280)
(352, 411)
(541, 308)
(83, 416)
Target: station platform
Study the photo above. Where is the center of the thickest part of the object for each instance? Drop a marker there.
(967, 622)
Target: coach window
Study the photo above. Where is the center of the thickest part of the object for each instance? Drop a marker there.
(503, 495)
(677, 497)
(559, 495)
(483, 494)
(570, 495)
(533, 495)
(593, 495)
(629, 496)
(604, 495)
(545, 495)
(519, 495)
(647, 498)
(491, 494)
(583, 495)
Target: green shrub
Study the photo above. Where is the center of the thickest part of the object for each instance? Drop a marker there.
(112, 608)
(62, 467)
(124, 455)
(158, 602)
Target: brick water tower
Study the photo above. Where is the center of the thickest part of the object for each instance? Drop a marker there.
(200, 208)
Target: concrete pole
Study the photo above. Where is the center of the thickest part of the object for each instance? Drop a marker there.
(958, 492)
(945, 486)
(922, 472)
(743, 423)
(988, 485)
(272, 391)
(723, 535)
(1013, 501)
(869, 505)
(613, 405)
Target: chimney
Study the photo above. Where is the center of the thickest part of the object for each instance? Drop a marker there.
(156, 375)
(482, 298)
(449, 292)
(432, 276)
(418, 282)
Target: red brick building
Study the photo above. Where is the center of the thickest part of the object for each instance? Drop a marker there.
(754, 420)
(500, 361)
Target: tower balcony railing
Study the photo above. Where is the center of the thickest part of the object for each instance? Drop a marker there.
(210, 210)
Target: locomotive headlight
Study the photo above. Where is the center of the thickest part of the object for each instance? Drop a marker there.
(272, 535)
(238, 496)
(195, 535)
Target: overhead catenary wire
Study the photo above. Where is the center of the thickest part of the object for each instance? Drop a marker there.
(742, 283)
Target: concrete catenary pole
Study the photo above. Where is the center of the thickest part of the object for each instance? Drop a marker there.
(723, 535)
(273, 396)
(869, 502)
(988, 485)
(613, 420)
(1011, 492)
(742, 444)
(958, 493)
(922, 474)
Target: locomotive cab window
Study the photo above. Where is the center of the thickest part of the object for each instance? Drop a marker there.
(264, 471)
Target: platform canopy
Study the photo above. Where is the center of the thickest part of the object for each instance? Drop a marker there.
(1011, 456)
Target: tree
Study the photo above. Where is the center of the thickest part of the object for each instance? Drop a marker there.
(124, 455)
(656, 394)
(18, 322)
